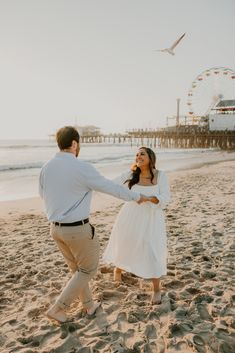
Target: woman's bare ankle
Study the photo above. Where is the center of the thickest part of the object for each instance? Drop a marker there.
(117, 274)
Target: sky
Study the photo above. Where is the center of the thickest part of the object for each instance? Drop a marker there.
(92, 62)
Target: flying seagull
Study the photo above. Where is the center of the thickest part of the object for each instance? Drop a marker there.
(171, 49)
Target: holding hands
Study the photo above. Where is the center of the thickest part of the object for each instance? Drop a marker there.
(144, 198)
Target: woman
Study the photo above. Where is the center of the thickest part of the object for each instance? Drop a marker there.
(138, 241)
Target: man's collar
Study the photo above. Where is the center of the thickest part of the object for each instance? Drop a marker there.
(65, 154)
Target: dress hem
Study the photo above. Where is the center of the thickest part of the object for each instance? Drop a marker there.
(124, 268)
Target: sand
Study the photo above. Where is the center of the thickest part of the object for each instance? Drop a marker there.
(197, 312)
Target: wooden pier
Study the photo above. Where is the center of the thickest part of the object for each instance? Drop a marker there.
(164, 138)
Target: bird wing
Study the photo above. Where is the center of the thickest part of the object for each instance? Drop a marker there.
(167, 50)
(177, 42)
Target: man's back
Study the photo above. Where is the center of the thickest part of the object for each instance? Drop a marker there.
(62, 186)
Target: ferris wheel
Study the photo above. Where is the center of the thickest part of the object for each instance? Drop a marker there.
(208, 88)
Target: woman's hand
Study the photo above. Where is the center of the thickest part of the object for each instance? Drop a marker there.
(154, 199)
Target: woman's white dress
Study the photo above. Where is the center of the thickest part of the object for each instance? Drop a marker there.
(138, 242)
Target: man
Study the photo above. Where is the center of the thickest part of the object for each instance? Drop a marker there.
(66, 185)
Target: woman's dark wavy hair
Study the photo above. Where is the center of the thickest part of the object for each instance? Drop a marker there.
(135, 176)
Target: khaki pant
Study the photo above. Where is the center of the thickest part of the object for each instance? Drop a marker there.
(81, 252)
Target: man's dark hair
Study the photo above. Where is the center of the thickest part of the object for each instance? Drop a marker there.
(65, 137)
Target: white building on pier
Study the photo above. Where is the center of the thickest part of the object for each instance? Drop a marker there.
(222, 116)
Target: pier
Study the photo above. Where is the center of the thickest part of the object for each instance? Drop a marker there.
(164, 138)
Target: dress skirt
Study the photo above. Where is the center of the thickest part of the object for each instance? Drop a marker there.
(138, 242)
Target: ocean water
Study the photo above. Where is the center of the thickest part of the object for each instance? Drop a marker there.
(21, 161)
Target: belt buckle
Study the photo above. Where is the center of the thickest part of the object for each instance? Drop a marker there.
(83, 222)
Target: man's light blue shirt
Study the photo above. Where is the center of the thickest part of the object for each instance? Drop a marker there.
(66, 185)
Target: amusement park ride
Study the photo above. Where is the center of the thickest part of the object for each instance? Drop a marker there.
(207, 90)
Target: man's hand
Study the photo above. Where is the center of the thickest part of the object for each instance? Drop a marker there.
(142, 199)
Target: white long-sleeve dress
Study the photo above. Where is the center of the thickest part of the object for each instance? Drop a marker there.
(138, 242)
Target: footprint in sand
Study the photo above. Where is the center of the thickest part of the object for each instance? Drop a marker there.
(223, 334)
(203, 298)
(172, 295)
(182, 346)
(165, 306)
(106, 269)
(179, 329)
(30, 341)
(153, 316)
(150, 331)
(132, 318)
(193, 290)
(175, 284)
(114, 294)
(122, 288)
(142, 296)
(198, 342)
(130, 280)
(203, 312)
(225, 347)
(34, 313)
(206, 258)
(68, 328)
(181, 313)
(171, 266)
(98, 346)
(118, 347)
(170, 273)
(112, 308)
(122, 321)
(208, 274)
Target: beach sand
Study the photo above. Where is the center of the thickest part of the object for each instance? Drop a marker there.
(196, 313)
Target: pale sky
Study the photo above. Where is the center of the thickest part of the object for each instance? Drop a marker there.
(93, 61)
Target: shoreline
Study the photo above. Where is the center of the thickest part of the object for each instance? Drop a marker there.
(34, 205)
(23, 184)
